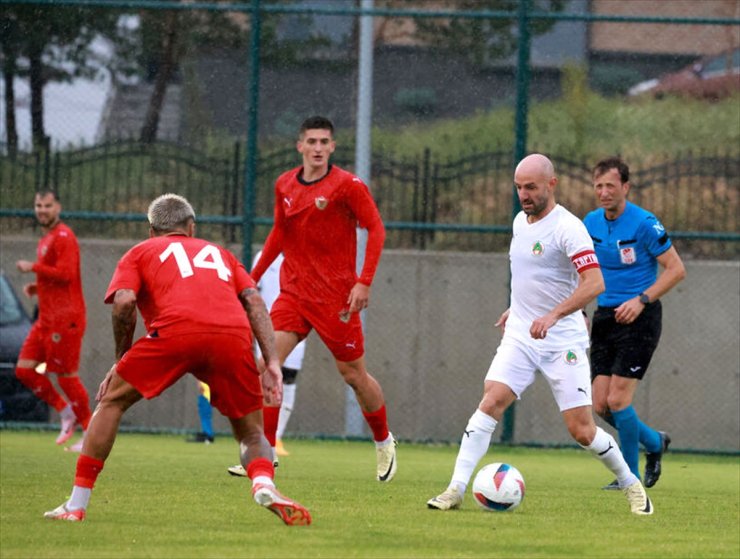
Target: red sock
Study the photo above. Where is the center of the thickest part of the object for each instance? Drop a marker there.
(41, 387)
(88, 470)
(260, 467)
(270, 417)
(78, 397)
(378, 423)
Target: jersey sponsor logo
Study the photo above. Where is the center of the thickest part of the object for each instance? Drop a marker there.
(538, 248)
(627, 255)
(287, 201)
(585, 260)
(571, 357)
(321, 202)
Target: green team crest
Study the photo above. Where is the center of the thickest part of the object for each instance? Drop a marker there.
(570, 357)
(538, 248)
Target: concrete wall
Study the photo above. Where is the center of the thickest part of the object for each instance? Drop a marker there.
(430, 339)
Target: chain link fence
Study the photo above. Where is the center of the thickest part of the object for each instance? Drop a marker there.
(174, 106)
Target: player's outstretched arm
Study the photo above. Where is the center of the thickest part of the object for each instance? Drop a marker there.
(124, 320)
(259, 319)
(359, 297)
(501, 322)
(590, 284)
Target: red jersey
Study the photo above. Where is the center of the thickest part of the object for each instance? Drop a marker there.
(185, 283)
(58, 278)
(315, 228)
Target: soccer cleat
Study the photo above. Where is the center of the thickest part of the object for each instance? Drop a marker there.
(640, 503)
(613, 486)
(447, 500)
(237, 470)
(653, 459)
(280, 448)
(69, 422)
(290, 512)
(77, 447)
(201, 438)
(62, 513)
(387, 464)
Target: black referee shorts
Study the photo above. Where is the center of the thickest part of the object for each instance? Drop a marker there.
(624, 350)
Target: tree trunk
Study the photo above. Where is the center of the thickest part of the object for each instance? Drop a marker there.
(11, 130)
(40, 140)
(164, 73)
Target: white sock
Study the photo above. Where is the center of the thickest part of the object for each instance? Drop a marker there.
(473, 447)
(286, 408)
(606, 449)
(388, 440)
(80, 498)
(264, 480)
(67, 412)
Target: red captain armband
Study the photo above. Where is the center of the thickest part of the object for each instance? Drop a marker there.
(585, 260)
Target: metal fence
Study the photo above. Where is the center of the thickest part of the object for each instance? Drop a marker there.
(460, 203)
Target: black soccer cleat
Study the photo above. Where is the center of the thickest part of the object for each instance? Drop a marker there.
(613, 486)
(201, 438)
(653, 459)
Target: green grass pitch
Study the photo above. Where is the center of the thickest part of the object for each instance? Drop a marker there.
(160, 497)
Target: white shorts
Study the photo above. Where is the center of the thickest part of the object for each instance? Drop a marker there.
(567, 372)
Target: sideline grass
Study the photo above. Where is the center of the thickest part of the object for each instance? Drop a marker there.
(160, 497)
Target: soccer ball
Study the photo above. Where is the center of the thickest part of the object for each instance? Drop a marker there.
(498, 487)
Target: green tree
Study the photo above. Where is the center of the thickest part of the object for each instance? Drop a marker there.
(482, 40)
(50, 43)
(168, 37)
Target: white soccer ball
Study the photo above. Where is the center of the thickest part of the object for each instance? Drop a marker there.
(498, 487)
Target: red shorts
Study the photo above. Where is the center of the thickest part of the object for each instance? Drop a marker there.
(58, 347)
(344, 338)
(222, 359)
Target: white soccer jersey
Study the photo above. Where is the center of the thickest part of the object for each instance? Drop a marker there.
(545, 258)
(269, 286)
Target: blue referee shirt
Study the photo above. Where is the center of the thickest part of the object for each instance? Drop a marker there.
(627, 249)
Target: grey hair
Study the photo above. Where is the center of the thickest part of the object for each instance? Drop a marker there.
(170, 212)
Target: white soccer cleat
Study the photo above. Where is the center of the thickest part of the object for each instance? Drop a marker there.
(62, 513)
(447, 500)
(387, 464)
(69, 422)
(640, 503)
(237, 470)
(77, 447)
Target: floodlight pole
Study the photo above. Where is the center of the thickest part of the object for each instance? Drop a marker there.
(520, 150)
(353, 419)
(250, 162)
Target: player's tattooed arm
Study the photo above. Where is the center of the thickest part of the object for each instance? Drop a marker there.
(259, 318)
(124, 320)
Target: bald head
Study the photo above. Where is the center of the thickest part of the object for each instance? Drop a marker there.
(536, 164)
(535, 182)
